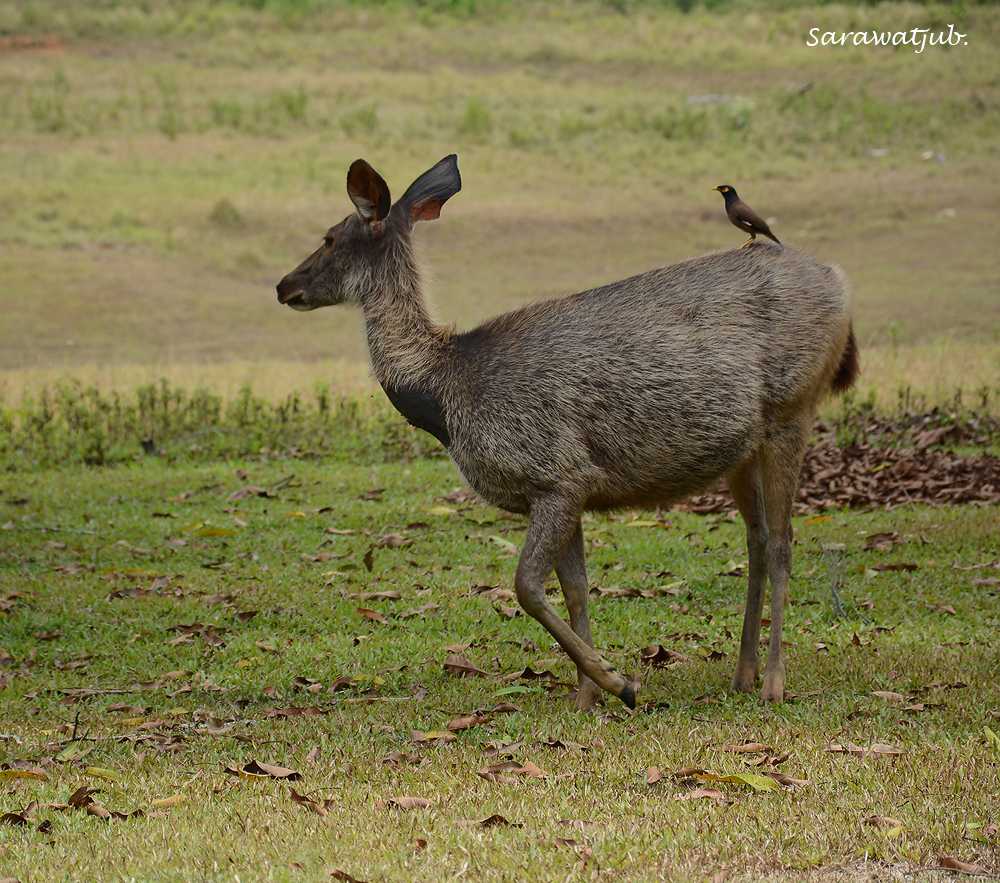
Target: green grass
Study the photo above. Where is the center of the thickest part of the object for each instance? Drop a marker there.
(99, 567)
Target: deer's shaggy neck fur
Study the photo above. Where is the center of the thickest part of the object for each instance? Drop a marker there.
(404, 344)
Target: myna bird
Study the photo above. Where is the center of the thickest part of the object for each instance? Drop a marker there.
(744, 217)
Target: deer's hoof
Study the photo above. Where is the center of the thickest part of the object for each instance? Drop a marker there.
(744, 681)
(587, 695)
(627, 695)
(774, 688)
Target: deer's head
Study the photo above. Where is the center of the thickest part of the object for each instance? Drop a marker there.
(352, 256)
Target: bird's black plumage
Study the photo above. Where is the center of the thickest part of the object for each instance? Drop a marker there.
(744, 217)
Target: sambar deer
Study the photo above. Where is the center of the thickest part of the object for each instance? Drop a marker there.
(636, 393)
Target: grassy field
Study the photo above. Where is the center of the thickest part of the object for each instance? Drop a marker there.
(164, 168)
(281, 579)
(176, 626)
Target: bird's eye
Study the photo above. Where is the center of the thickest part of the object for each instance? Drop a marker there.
(327, 241)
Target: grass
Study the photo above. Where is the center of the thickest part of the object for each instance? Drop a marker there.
(165, 167)
(98, 568)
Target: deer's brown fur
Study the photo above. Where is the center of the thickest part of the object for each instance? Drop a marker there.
(637, 393)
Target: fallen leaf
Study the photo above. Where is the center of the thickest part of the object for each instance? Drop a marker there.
(320, 807)
(657, 655)
(496, 820)
(35, 773)
(372, 615)
(954, 864)
(256, 769)
(458, 665)
(786, 781)
(747, 748)
(74, 751)
(466, 722)
(529, 674)
(881, 542)
(439, 737)
(504, 771)
(653, 775)
(167, 802)
(102, 773)
(82, 797)
(344, 877)
(899, 565)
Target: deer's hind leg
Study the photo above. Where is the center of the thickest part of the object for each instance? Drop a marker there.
(571, 568)
(747, 489)
(781, 462)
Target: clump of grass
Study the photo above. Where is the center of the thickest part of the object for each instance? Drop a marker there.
(225, 214)
(477, 121)
(47, 104)
(360, 121)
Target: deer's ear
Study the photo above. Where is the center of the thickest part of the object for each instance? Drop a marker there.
(368, 191)
(425, 196)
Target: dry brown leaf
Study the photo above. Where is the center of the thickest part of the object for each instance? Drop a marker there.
(433, 737)
(881, 542)
(458, 665)
(507, 770)
(889, 696)
(496, 820)
(659, 656)
(467, 721)
(747, 748)
(956, 864)
(81, 797)
(372, 615)
(529, 674)
(344, 877)
(320, 807)
(786, 781)
(257, 769)
(653, 775)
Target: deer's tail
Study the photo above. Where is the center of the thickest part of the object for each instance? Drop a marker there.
(850, 365)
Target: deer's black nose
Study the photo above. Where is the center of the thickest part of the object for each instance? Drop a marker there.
(287, 288)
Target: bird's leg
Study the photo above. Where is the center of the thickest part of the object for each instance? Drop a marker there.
(749, 242)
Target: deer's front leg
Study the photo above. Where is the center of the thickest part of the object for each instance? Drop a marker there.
(553, 520)
(571, 568)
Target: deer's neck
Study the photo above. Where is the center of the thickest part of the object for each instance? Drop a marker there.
(405, 346)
